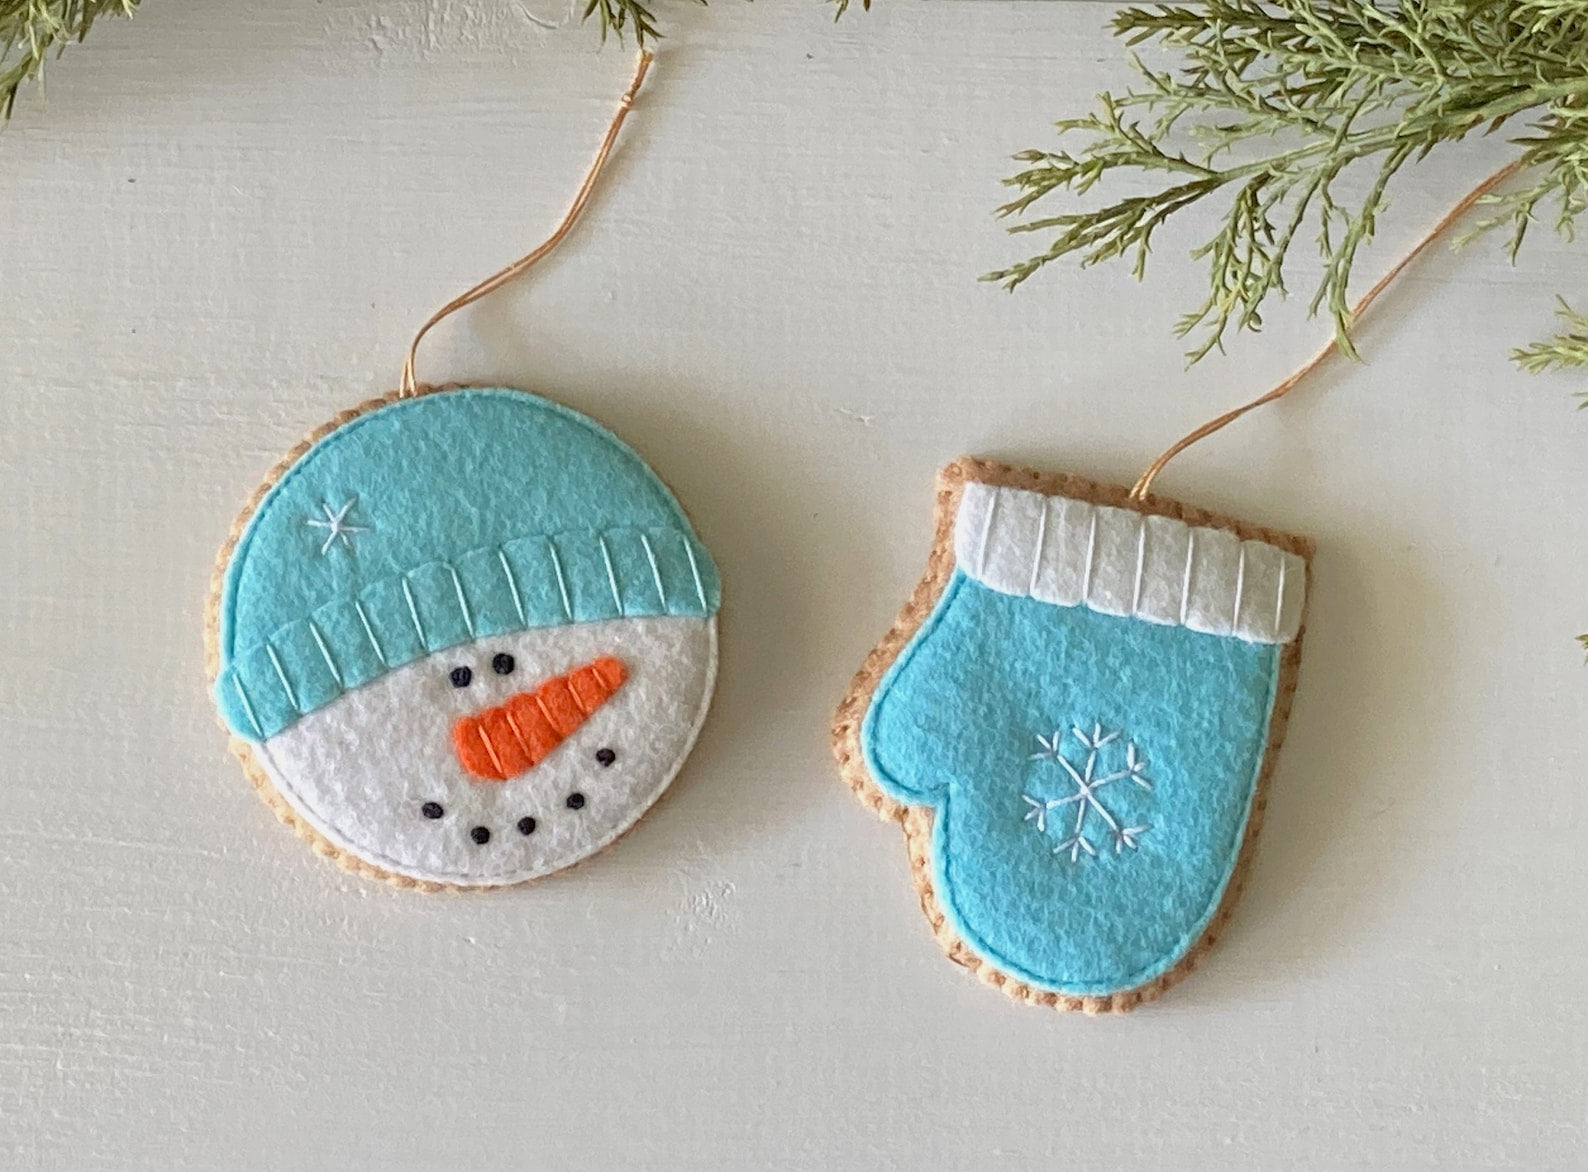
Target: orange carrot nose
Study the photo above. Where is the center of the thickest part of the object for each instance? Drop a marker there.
(520, 733)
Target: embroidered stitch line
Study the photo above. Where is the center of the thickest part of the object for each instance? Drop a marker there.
(275, 662)
(1185, 584)
(325, 653)
(1279, 597)
(694, 568)
(1240, 588)
(370, 632)
(1091, 553)
(512, 584)
(1087, 782)
(986, 532)
(413, 613)
(1141, 567)
(612, 574)
(656, 571)
(562, 582)
(248, 708)
(463, 603)
(518, 733)
(490, 749)
(1042, 540)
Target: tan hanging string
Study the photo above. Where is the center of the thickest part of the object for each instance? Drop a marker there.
(1144, 485)
(528, 261)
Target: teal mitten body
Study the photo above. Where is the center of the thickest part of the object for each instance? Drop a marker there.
(1088, 711)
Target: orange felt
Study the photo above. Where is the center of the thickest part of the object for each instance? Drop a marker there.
(556, 699)
(471, 749)
(511, 755)
(533, 728)
(516, 735)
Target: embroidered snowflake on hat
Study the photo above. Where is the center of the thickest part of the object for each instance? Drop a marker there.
(464, 638)
(1074, 721)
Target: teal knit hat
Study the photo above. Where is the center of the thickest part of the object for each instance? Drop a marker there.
(434, 521)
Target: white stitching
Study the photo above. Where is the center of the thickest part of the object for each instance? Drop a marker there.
(518, 604)
(1141, 563)
(1240, 586)
(1091, 550)
(1185, 586)
(1042, 535)
(370, 631)
(282, 676)
(700, 589)
(1085, 797)
(656, 571)
(1069, 563)
(1279, 596)
(335, 524)
(612, 577)
(986, 531)
(248, 708)
(562, 583)
(326, 652)
(463, 603)
(413, 613)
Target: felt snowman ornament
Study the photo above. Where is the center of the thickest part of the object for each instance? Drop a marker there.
(463, 638)
(1074, 720)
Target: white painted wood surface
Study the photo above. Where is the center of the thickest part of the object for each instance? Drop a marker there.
(221, 229)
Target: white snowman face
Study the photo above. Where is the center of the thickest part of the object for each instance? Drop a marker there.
(387, 773)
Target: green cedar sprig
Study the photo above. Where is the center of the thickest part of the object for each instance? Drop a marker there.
(1270, 102)
(31, 29)
(1568, 349)
(615, 17)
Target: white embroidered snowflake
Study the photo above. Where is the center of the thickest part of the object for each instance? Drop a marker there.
(1087, 782)
(336, 524)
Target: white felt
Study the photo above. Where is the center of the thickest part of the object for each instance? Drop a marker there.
(1121, 562)
(360, 769)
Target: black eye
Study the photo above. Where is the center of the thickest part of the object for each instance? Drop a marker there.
(502, 664)
(605, 757)
(576, 801)
(461, 677)
(480, 835)
(526, 826)
(432, 810)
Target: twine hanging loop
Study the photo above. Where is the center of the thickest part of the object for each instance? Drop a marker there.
(1143, 486)
(524, 263)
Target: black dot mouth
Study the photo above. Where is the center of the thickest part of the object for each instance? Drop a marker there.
(575, 801)
(481, 835)
(605, 758)
(526, 826)
(433, 810)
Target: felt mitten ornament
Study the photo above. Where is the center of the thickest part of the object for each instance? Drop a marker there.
(1074, 721)
(463, 636)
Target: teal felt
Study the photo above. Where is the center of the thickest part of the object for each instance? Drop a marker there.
(954, 725)
(473, 513)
